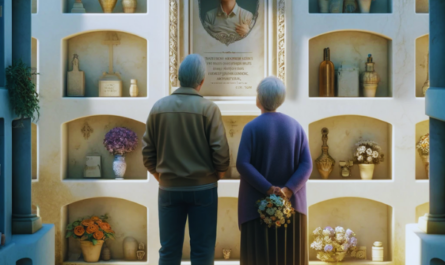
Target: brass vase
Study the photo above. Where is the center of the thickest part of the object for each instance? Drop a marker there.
(129, 6)
(325, 163)
(108, 5)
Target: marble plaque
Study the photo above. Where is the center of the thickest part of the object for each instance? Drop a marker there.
(93, 167)
(348, 81)
(76, 80)
(234, 45)
(110, 88)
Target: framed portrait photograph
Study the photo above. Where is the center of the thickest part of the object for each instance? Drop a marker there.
(242, 41)
(93, 166)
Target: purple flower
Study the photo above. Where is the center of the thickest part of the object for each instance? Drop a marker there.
(349, 232)
(328, 248)
(330, 229)
(353, 241)
(120, 141)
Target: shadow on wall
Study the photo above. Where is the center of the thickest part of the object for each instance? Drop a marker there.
(24, 262)
(437, 262)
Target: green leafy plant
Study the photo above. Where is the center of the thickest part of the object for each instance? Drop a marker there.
(23, 96)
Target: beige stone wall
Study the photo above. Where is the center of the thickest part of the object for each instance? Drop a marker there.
(422, 50)
(422, 6)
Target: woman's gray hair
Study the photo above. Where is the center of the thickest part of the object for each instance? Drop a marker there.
(192, 71)
(271, 93)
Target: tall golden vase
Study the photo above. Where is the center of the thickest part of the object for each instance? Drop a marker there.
(325, 163)
(108, 5)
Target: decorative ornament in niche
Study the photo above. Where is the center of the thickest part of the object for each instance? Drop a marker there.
(346, 167)
(325, 163)
(232, 125)
(86, 131)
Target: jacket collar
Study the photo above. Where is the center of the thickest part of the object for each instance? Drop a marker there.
(186, 91)
(233, 13)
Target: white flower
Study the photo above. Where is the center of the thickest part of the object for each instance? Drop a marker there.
(318, 231)
(360, 158)
(369, 159)
(361, 149)
(326, 233)
(375, 154)
(339, 229)
(369, 151)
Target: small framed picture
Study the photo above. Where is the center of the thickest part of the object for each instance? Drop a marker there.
(93, 166)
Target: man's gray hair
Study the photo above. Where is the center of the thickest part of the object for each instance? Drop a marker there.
(271, 93)
(192, 71)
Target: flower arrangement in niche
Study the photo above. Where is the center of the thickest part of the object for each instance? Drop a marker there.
(423, 147)
(120, 141)
(333, 244)
(275, 211)
(367, 152)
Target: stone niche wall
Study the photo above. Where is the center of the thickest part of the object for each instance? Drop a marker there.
(34, 63)
(422, 128)
(94, 6)
(344, 132)
(34, 151)
(77, 147)
(421, 210)
(422, 48)
(370, 220)
(352, 48)
(130, 60)
(234, 126)
(380, 6)
(422, 6)
(127, 219)
(228, 234)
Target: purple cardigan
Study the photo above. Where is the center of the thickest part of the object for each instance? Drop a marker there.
(273, 151)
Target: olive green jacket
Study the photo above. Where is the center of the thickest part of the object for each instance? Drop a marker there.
(185, 141)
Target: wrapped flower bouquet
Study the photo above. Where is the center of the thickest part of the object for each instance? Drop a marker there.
(333, 244)
(275, 211)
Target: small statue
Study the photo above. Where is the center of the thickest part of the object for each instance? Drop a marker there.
(345, 167)
(226, 253)
(141, 251)
(325, 163)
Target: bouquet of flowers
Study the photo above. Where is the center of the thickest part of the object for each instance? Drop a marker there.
(368, 152)
(275, 211)
(423, 146)
(120, 141)
(90, 229)
(333, 244)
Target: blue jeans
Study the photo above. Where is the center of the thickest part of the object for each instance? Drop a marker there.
(201, 207)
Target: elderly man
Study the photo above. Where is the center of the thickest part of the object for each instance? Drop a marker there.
(228, 19)
(186, 150)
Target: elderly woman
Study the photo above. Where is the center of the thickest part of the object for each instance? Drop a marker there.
(273, 158)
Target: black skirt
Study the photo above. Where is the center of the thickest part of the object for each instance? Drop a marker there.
(261, 245)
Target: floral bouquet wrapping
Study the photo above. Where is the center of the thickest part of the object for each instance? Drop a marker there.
(368, 152)
(275, 211)
(120, 141)
(90, 229)
(333, 244)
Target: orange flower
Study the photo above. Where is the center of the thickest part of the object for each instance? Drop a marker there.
(278, 223)
(95, 218)
(273, 218)
(87, 222)
(270, 205)
(99, 222)
(99, 235)
(79, 230)
(105, 226)
(92, 228)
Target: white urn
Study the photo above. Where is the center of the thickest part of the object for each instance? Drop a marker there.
(130, 246)
(377, 251)
(134, 90)
(365, 5)
(366, 171)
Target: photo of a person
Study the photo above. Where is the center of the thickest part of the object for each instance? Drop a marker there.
(229, 21)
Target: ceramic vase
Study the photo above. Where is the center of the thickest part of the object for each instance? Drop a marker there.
(323, 6)
(336, 6)
(365, 5)
(377, 251)
(426, 163)
(106, 253)
(90, 252)
(370, 79)
(130, 246)
(108, 5)
(134, 90)
(366, 171)
(119, 166)
(226, 253)
(325, 163)
(129, 6)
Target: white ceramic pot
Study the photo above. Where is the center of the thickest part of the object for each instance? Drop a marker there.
(370, 90)
(366, 171)
(365, 5)
(119, 166)
(130, 248)
(134, 90)
(377, 251)
(129, 6)
(323, 6)
(336, 6)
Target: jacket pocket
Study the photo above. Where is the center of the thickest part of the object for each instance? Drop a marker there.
(205, 197)
(164, 198)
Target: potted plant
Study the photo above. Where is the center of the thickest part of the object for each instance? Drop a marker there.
(333, 244)
(423, 147)
(120, 141)
(367, 155)
(91, 232)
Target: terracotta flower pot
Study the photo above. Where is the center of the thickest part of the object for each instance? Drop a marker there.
(108, 5)
(366, 171)
(90, 252)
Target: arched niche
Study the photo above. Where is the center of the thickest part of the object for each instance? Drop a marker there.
(34, 61)
(344, 132)
(76, 145)
(127, 219)
(352, 48)
(422, 128)
(94, 6)
(228, 233)
(422, 52)
(421, 210)
(383, 6)
(370, 220)
(34, 151)
(422, 6)
(129, 60)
